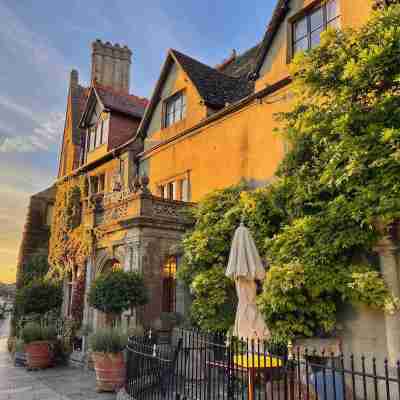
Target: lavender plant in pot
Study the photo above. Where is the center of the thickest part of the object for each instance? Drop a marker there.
(113, 293)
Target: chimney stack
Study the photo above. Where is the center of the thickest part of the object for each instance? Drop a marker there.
(74, 78)
(111, 65)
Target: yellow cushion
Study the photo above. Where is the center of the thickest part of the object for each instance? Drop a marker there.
(257, 361)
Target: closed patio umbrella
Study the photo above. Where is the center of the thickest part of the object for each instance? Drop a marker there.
(245, 267)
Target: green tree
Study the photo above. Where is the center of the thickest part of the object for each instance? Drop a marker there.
(38, 297)
(339, 181)
(35, 269)
(117, 291)
(207, 247)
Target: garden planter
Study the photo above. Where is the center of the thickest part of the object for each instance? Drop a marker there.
(110, 371)
(38, 355)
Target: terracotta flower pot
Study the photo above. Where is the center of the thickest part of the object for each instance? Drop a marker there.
(38, 355)
(110, 371)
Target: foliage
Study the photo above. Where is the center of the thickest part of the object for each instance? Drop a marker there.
(31, 332)
(108, 340)
(207, 247)
(35, 269)
(117, 291)
(70, 240)
(49, 332)
(337, 192)
(19, 346)
(339, 179)
(213, 307)
(38, 297)
(78, 301)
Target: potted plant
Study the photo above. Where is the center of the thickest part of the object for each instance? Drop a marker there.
(37, 345)
(107, 345)
(112, 294)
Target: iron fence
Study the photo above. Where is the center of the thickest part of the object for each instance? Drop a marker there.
(198, 366)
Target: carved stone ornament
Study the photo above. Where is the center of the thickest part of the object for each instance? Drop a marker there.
(165, 210)
(116, 182)
(98, 233)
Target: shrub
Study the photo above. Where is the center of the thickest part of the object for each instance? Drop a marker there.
(32, 332)
(38, 297)
(118, 291)
(19, 346)
(108, 340)
(49, 332)
(214, 304)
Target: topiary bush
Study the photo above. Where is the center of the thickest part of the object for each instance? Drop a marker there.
(38, 297)
(32, 332)
(118, 291)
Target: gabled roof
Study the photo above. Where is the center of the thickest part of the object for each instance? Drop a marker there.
(125, 103)
(114, 100)
(214, 87)
(241, 65)
(281, 10)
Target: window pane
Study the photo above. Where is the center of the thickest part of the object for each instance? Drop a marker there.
(301, 45)
(316, 37)
(316, 19)
(185, 190)
(300, 29)
(332, 10)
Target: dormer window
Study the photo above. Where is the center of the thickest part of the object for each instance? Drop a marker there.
(307, 28)
(175, 109)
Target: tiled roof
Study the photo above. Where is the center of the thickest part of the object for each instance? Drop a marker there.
(215, 88)
(125, 103)
(241, 65)
(278, 16)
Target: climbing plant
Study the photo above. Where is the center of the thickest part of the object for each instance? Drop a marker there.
(207, 246)
(337, 192)
(70, 240)
(339, 181)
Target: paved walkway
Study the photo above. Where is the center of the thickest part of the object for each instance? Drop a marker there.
(64, 383)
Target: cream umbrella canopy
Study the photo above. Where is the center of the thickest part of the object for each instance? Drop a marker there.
(245, 267)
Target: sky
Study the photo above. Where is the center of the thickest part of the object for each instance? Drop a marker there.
(41, 41)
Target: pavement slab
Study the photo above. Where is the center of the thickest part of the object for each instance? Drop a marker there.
(61, 383)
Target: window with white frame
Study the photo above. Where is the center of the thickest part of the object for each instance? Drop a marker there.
(308, 28)
(175, 109)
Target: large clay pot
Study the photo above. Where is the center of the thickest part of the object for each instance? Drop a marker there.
(38, 355)
(110, 371)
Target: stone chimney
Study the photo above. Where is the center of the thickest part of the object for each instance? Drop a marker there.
(111, 65)
(74, 78)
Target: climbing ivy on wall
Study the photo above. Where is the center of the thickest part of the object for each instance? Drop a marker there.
(337, 192)
(70, 240)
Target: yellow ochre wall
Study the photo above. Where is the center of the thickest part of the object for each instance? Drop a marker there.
(242, 144)
(353, 14)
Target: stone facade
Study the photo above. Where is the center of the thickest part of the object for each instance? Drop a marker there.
(140, 238)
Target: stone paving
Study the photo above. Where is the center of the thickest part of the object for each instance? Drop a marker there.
(63, 383)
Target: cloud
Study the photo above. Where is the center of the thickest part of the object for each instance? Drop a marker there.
(45, 135)
(19, 40)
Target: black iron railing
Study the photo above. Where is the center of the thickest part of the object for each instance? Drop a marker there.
(197, 366)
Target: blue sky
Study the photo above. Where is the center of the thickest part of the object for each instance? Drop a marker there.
(41, 41)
